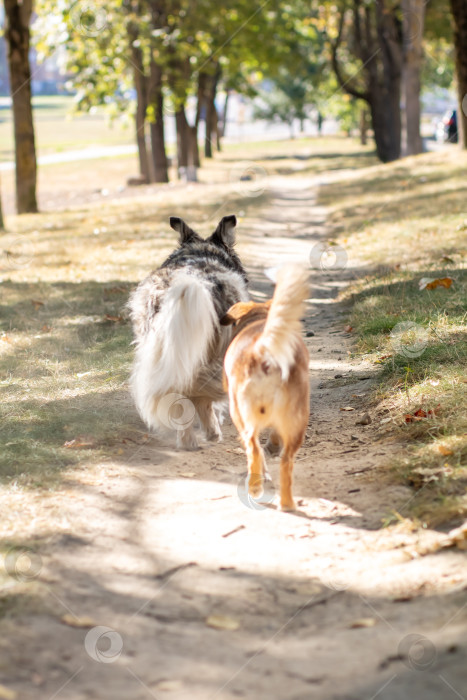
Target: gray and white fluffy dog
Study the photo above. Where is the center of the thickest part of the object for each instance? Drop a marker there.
(180, 344)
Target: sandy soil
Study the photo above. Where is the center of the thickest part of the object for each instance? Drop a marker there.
(168, 584)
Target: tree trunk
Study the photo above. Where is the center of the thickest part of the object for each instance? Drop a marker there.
(18, 15)
(194, 147)
(183, 138)
(209, 127)
(413, 13)
(224, 113)
(156, 106)
(459, 13)
(140, 83)
(377, 42)
(211, 111)
(363, 126)
(388, 94)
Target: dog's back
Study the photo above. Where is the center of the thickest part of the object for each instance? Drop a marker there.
(266, 370)
(175, 313)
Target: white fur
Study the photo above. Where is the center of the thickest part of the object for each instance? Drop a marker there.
(175, 349)
(283, 327)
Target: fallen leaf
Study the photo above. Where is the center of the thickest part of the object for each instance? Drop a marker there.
(7, 693)
(445, 451)
(169, 685)
(73, 621)
(363, 622)
(46, 328)
(37, 304)
(79, 442)
(420, 414)
(113, 319)
(347, 408)
(348, 329)
(308, 589)
(447, 259)
(222, 622)
(427, 283)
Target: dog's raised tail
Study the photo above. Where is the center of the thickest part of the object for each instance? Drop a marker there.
(283, 327)
(177, 347)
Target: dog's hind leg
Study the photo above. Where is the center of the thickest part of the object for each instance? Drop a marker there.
(287, 463)
(208, 419)
(256, 465)
(186, 439)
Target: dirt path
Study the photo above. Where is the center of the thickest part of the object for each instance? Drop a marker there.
(205, 597)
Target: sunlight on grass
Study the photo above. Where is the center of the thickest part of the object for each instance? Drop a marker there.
(408, 224)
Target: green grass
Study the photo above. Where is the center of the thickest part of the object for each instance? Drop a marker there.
(398, 233)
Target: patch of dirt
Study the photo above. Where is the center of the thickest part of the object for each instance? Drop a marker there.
(200, 595)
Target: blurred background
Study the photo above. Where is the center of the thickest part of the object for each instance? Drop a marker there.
(159, 86)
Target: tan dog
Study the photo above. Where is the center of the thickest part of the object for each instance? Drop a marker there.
(266, 375)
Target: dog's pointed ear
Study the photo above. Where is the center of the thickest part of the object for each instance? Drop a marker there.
(185, 232)
(224, 234)
(236, 312)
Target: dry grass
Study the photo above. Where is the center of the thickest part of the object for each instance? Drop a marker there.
(400, 223)
(65, 276)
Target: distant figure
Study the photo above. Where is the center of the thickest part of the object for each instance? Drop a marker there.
(320, 122)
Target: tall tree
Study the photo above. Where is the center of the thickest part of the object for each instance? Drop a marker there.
(413, 20)
(18, 15)
(140, 81)
(459, 13)
(371, 35)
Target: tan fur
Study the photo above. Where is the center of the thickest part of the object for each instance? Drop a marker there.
(266, 374)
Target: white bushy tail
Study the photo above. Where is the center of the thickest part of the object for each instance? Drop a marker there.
(283, 327)
(176, 347)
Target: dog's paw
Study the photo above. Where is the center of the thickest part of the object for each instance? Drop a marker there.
(256, 486)
(288, 506)
(214, 436)
(187, 441)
